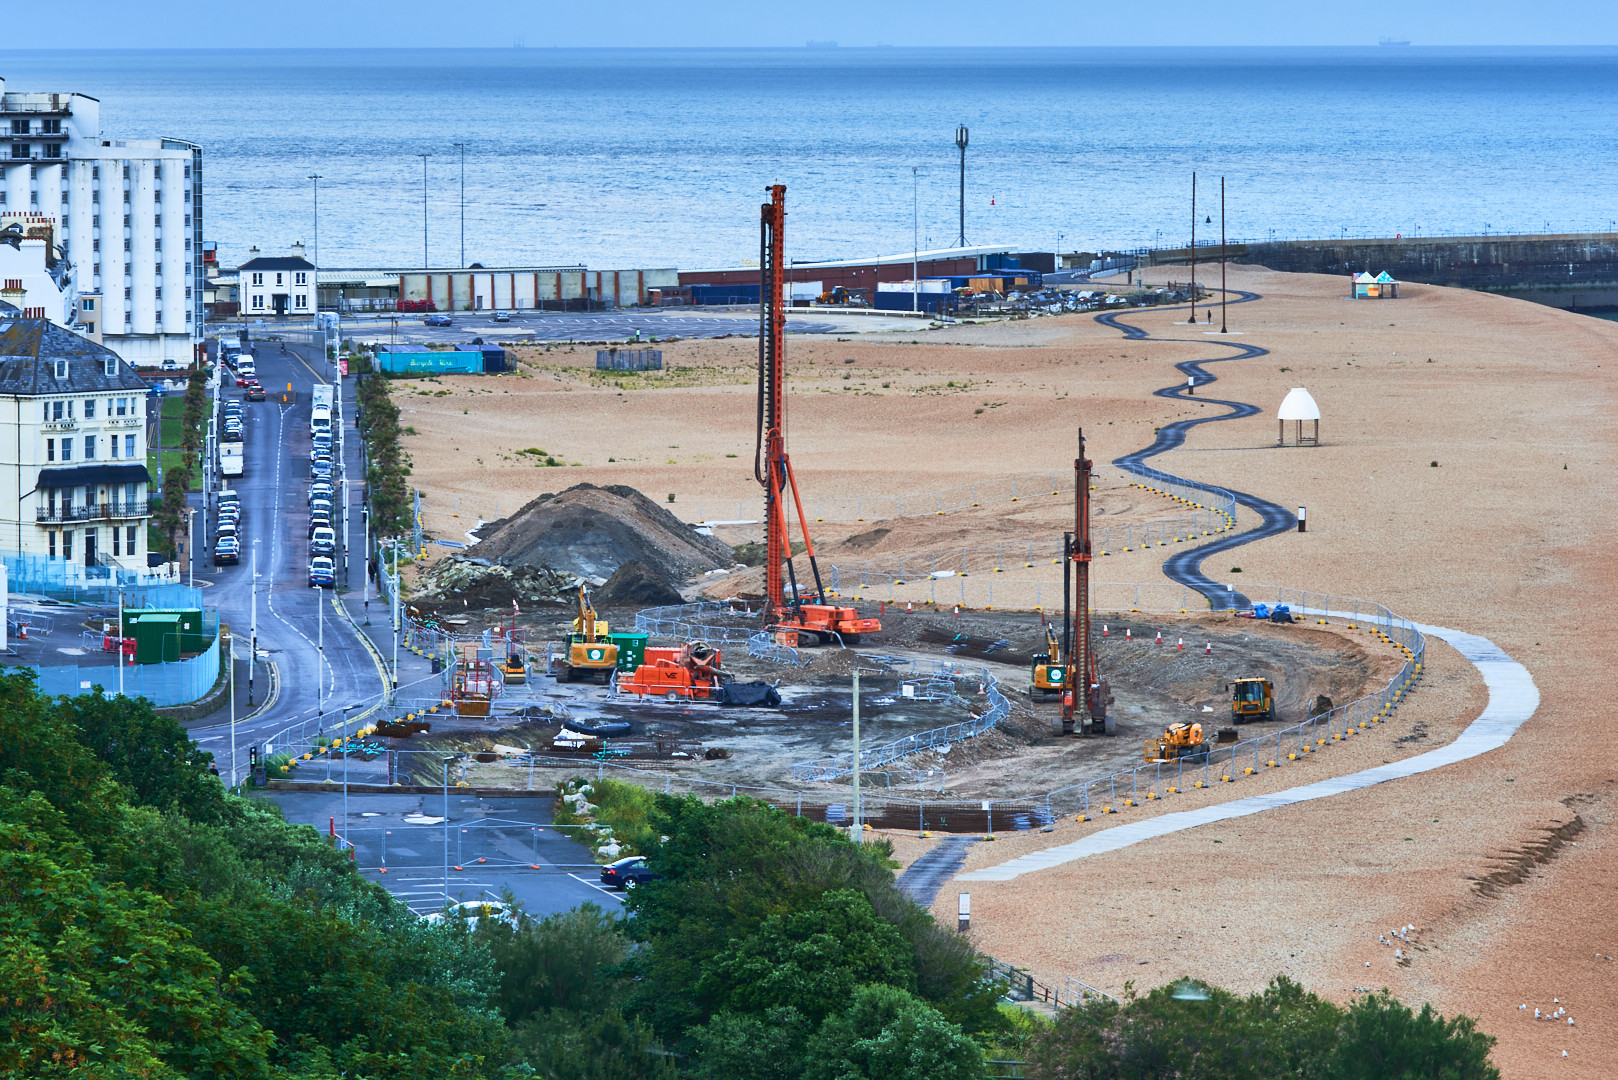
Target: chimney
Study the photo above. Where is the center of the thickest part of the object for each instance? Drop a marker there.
(297, 249)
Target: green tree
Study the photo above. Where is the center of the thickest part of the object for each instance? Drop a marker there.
(811, 959)
(1382, 1039)
(568, 961)
(886, 1034)
(151, 755)
(767, 1046)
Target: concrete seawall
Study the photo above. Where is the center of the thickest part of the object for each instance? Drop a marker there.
(1577, 271)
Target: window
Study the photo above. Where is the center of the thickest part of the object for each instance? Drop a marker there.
(258, 300)
(126, 172)
(89, 328)
(56, 409)
(70, 402)
(50, 539)
(89, 303)
(126, 243)
(114, 441)
(129, 540)
(89, 447)
(50, 449)
(61, 371)
(157, 293)
(129, 452)
(157, 172)
(122, 406)
(278, 278)
(303, 301)
(67, 544)
(258, 279)
(90, 409)
(111, 370)
(129, 500)
(67, 449)
(50, 127)
(126, 221)
(53, 150)
(115, 550)
(157, 220)
(19, 127)
(300, 278)
(19, 150)
(95, 245)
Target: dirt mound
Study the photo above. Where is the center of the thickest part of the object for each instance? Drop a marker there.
(591, 531)
(474, 583)
(634, 583)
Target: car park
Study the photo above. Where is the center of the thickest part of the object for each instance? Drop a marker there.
(323, 541)
(437, 320)
(627, 873)
(322, 573)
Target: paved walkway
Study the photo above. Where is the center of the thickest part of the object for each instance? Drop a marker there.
(923, 878)
(1513, 698)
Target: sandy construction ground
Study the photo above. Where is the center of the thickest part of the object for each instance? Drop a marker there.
(1504, 863)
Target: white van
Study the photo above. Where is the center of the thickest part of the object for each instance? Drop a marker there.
(245, 365)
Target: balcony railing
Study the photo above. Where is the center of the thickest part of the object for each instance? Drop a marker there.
(107, 511)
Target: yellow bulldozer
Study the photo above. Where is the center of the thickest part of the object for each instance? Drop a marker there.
(1178, 741)
(1251, 699)
(588, 656)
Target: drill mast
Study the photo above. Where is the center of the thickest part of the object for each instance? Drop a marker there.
(1085, 689)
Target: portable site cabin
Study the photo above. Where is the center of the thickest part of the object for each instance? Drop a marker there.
(1382, 286)
(1299, 405)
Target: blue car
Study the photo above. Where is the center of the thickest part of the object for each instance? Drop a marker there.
(437, 320)
(322, 574)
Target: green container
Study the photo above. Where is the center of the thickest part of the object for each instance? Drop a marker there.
(631, 650)
(194, 637)
(157, 638)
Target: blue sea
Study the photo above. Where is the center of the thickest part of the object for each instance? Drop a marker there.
(649, 158)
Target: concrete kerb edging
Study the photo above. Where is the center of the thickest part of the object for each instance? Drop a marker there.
(1513, 699)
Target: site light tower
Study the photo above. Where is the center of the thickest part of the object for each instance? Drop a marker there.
(462, 148)
(960, 141)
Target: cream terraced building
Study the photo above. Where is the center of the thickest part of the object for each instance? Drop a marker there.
(73, 423)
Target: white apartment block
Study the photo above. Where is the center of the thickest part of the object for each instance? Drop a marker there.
(129, 216)
(77, 488)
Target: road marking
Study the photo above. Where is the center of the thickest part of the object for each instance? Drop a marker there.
(598, 887)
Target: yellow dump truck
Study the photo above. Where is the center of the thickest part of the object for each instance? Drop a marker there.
(1251, 699)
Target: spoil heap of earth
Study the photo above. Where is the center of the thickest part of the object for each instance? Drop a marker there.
(586, 533)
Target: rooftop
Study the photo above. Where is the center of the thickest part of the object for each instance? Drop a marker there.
(29, 349)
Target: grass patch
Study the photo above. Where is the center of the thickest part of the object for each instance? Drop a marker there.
(172, 459)
(616, 810)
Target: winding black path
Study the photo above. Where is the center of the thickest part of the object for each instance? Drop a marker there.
(1185, 566)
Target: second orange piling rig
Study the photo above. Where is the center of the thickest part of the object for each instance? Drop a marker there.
(1083, 679)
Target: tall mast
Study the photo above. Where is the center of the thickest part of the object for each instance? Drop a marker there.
(1081, 662)
(770, 450)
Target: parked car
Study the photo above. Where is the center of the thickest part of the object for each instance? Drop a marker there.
(322, 574)
(318, 521)
(323, 541)
(227, 552)
(320, 489)
(502, 316)
(320, 470)
(437, 320)
(627, 873)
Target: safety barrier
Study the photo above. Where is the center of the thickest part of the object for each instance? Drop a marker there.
(715, 622)
(177, 683)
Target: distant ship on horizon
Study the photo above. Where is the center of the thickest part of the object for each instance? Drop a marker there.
(1393, 41)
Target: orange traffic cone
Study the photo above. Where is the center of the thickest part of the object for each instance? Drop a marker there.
(1209, 651)
(1160, 637)
(1103, 629)
(1181, 645)
(1129, 635)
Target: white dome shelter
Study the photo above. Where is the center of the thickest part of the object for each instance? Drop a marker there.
(1299, 405)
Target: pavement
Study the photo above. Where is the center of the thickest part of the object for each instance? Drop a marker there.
(620, 325)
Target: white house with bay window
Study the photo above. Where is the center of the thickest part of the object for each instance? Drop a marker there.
(73, 421)
(277, 285)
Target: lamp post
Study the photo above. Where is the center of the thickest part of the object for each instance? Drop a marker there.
(915, 239)
(231, 638)
(1193, 247)
(1223, 295)
(424, 157)
(316, 178)
(252, 649)
(462, 148)
(960, 141)
(365, 556)
(191, 545)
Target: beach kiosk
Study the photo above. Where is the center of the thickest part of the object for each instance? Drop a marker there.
(1365, 286)
(1299, 405)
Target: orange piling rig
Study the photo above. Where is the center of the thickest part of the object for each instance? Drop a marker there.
(1081, 653)
(692, 671)
(816, 622)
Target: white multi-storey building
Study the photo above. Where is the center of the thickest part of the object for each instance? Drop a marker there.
(129, 215)
(76, 488)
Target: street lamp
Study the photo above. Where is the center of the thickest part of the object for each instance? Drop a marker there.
(960, 141)
(316, 178)
(915, 239)
(462, 148)
(191, 544)
(424, 158)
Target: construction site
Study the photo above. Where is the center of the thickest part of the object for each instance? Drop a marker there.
(1044, 650)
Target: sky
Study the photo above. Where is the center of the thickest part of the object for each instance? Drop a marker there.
(156, 24)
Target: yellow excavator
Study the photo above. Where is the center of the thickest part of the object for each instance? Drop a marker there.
(1178, 741)
(588, 656)
(836, 295)
(1251, 699)
(1049, 673)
